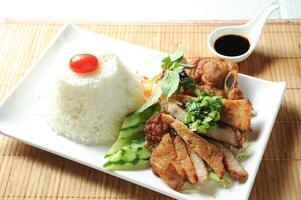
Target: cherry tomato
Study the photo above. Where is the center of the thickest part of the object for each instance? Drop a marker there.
(83, 63)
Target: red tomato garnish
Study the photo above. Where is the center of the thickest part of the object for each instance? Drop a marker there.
(83, 63)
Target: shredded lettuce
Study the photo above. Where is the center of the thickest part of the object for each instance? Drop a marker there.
(225, 181)
(240, 154)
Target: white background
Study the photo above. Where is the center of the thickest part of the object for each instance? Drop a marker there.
(133, 10)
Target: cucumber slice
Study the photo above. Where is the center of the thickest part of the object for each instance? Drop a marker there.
(128, 152)
(125, 137)
(122, 165)
(132, 156)
(144, 153)
(131, 132)
(135, 119)
(121, 143)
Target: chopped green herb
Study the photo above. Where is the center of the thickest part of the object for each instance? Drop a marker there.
(203, 112)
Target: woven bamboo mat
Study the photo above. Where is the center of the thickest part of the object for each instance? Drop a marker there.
(30, 173)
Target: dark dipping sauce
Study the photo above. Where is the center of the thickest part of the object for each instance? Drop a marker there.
(232, 45)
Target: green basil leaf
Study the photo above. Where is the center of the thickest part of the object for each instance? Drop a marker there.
(178, 54)
(190, 83)
(170, 83)
(174, 65)
(155, 96)
(166, 63)
(179, 69)
(186, 66)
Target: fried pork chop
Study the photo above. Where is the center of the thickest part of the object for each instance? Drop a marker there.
(237, 113)
(223, 132)
(164, 163)
(154, 129)
(212, 154)
(227, 134)
(199, 166)
(215, 75)
(232, 164)
(184, 160)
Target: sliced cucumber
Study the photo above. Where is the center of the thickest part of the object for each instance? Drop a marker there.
(130, 132)
(125, 137)
(132, 156)
(135, 119)
(128, 152)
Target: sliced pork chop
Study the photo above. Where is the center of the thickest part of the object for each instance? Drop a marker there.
(237, 113)
(232, 164)
(171, 107)
(227, 134)
(223, 133)
(164, 163)
(199, 166)
(210, 153)
(184, 160)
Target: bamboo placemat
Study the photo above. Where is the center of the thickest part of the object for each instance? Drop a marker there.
(30, 173)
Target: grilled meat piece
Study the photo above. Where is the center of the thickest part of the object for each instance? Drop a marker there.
(223, 133)
(213, 90)
(195, 72)
(207, 151)
(211, 71)
(217, 76)
(227, 134)
(154, 129)
(171, 106)
(184, 160)
(237, 113)
(198, 165)
(231, 84)
(235, 94)
(163, 161)
(231, 113)
(215, 71)
(232, 164)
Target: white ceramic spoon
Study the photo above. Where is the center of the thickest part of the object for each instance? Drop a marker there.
(250, 30)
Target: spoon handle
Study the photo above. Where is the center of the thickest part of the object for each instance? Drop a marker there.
(256, 24)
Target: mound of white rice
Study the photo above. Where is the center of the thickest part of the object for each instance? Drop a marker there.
(90, 108)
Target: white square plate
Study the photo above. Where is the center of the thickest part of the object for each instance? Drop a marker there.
(18, 117)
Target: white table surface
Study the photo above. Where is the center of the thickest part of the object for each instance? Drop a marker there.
(133, 10)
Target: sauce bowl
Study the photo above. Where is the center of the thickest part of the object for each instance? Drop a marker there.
(250, 30)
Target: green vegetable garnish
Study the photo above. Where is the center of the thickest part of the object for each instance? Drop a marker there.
(155, 96)
(132, 128)
(226, 180)
(129, 152)
(240, 154)
(131, 156)
(170, 83)
(172, 66)
(203, 112)
(189, 82)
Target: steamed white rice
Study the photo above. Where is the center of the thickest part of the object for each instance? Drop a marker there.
(90, 108)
